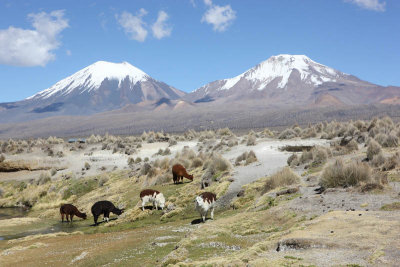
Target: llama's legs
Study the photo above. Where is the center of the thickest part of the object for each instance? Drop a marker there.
(71, 216)
(212, 214)
(143, 203)
(62, 217)
(95, 217)
(175, 178)
(107, 216)
(66, 217)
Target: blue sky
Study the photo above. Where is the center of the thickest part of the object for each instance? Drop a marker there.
(187, 43)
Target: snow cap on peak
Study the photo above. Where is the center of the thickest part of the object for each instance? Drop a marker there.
(91, 77)
(281, 66)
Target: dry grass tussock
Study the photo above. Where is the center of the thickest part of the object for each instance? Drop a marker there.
(281, 178)
(246, 158)
(318, 155)
(373, 149)
(341, 174)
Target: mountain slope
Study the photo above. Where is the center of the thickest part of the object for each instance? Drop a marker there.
(292, 80)
(102, 86)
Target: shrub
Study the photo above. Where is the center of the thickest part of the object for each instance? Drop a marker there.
(224, 131)
(339, 174)
(287, 134)
(43, 179)
(378, 160)
(281, 178)
(167, 151)
(161, 163)
(2, 158)
(146, 159)
(308, 133)
(138, 160)
(251, 157)
(131, 161)
(251, 140)
(172, 141)
(247, 157)
(391, 141)
(233, 141)
(391, 163)
(319, 155)
(306, 156)
(147, 170)
(373, 149)
(197, 162)
(267, 133)
(293, 160)
(102, 181)
(214, 167)
(352, 145)
(241, 158)
(219, 164)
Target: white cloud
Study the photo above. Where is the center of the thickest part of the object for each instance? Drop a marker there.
(23, 47)
(160, 27)
(134, 26)
(208, 2)
(218, 16)
(375, 5)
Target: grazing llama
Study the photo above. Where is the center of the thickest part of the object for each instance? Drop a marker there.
(204, 202)
(178, 172)
(71, 210)
(150, 195)
(104, 207)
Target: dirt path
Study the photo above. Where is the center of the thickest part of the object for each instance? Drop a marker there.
(270, 160)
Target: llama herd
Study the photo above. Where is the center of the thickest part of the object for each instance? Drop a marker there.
(204, 202)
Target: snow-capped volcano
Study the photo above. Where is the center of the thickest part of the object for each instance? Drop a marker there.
(288, 80)
(281, 67)
(90, 79)
(102, 86)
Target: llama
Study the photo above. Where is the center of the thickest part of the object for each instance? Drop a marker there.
(71, 210)
(150, 195)
(178, 172)
(204, 202)
(104, 207)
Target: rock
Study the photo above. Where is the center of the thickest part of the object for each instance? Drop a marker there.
(297, 243)
(240, 193)
(287, 191)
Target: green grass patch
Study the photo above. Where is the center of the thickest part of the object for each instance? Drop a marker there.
(80, 187)
(391, 206)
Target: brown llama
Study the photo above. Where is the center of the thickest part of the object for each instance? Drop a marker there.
(178, 172)
(71, 210)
